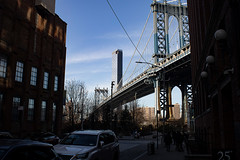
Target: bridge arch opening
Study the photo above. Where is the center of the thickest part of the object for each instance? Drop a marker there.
(177, 102)
(173, 34)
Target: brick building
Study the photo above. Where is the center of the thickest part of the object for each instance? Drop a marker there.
(149, 115)
(215, 38)
(32, 66)
(176, 111)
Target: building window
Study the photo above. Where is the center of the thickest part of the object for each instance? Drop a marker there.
(1, 102)
(45, 80)
(33, 80)
(54, 112)
(16, 104)
(3, 67)
(19, 72)
(56, 83)
(30, 109)
(43, 111)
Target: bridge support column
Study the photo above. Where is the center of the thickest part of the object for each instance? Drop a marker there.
(190, 109)
(157, 96)
(186, 103)
(169, 101)
(166, 27)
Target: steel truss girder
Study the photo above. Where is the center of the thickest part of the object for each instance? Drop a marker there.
(161, 33)
(190, 108)
(189, 95)
(164, 11)
(186, 35)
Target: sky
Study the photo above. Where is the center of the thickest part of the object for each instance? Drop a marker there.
(93, 33)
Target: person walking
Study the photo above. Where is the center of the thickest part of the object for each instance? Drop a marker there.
(168, 141)
(179, 141)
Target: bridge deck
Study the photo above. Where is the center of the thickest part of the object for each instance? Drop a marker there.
(177, 70)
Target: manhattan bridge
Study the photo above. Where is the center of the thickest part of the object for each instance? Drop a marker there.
(163, 64)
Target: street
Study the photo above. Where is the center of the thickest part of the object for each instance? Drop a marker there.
(133, 149)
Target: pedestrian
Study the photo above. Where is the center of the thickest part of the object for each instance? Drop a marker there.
(174, 137)
(186, 136)
(168, 141)
(179, 141)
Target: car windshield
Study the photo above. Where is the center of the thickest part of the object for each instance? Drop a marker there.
(2, 152)
(80, 139)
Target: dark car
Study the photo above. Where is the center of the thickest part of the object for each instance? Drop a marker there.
(48, 137)
(5, 135)
(11, 149)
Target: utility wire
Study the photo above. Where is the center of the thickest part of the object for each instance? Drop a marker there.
(140, 58)
(125, 30)
(173, 35)
(136, 49)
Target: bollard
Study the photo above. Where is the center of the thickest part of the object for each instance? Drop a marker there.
(151, 148)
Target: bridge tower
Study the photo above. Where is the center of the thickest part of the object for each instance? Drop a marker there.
(161, 13)
(100, 95)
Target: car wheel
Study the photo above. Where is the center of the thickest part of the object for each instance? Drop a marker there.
(116, 157)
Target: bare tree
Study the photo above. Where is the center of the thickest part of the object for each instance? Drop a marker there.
(77, 95)
(136, 112)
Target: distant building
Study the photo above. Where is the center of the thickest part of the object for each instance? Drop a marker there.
(32, 67)
(149, 115)
(117, 62)
(176, 111)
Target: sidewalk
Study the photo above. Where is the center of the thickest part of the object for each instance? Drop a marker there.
(162, 154)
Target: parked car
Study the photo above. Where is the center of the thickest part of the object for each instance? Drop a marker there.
(5, 135)
(89, 145)
(48, 137)
(11, 149)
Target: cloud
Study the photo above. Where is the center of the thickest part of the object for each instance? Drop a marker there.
(90, 71)
(112, 36)
(97, 55)
(88, 56)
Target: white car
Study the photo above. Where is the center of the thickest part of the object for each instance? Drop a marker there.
(89, 145)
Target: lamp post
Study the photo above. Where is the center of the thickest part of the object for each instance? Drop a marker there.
(81, 96)
(157, 99)
(72, 114)
(112, 84)
(158, 112)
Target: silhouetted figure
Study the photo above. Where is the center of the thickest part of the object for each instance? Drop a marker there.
(168, 141)
(174, 134)
(179, 141)
(186, 136)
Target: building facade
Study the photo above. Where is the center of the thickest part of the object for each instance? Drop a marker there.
(176, 111)
(32, 66)
(215, 38)
(149, 114)
(117, 63)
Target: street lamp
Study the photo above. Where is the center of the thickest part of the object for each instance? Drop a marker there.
(72, 114)
(110, 117)
(156, 80)
(158, 112)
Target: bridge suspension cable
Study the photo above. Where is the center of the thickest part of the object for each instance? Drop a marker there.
(173, 35)
(124, 29)
(129, 78)
(136, 48)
